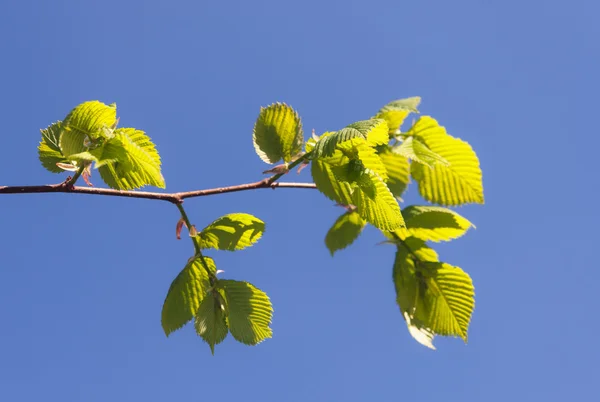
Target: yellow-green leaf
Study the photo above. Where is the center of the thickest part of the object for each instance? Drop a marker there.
(211, 321)
(250, 311)
(86, 123)
(395, 112)
(323, 175)
(374, 130)
(434, 297)
(370, 159)
(371, 132)
(278, 133)
(373, 200)
(433, 223)
(379, 208)
(417, 151)
(398, 171)
(232, 232)
(410, 287)
(450, 297)
(49, 150)
(456, 184)
(344, 231)
(185, 294)
(141, 167)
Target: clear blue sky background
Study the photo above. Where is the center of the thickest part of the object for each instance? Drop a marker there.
(82, 278)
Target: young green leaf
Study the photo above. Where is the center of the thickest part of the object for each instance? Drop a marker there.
(185, 294)
(278, 133)
(250, 311)
(141, 166)
(398, 171)
(417, 151)
(344, 231)
(374, 130)
(410, 287)
(324, 177)
(436, 297)
(380, 208)
(49, 150)
(211, 322)
(456, 184)
(371, 132)
(395, 112)
(232, 232)
(450, 295)
(433, 223)
(374, 201)
(367, 155)
(86, 123)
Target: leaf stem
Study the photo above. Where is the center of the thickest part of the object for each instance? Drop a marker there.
(71, 181)
(292, 165)
(196, 242)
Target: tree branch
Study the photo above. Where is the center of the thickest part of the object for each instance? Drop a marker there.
(175, 198)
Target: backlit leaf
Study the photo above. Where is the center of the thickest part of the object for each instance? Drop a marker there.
(395, 112)
(278, 133)
(344, 231)
(86, 122)
(433, 223)
(456, 184)
(185, 294)
(250, 311)
(417, 151)
(141, 166)
(371, 132)
(374, 201)
(232, 232)
(211, 321)
(49, 150)
(398, 171)
(434, 297)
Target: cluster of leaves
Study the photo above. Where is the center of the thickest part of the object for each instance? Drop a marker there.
(219, 306)
(125, 157)
(366, 167)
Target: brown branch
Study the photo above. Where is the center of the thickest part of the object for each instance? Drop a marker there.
(175, 198)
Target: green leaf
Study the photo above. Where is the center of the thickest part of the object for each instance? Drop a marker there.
(416, 248)
(323, 175)
(379, 209)
(459, 183)
(86, 123)
(395, 112)
(450, 295)
(371, 132)
(141, 166)
(417, 151)
(211, 322)
(434, 297)
(49, 150)
(250, 311)
(278, 133)
(374, 201)
(433, 223)
(370, 159)
(185, 294)
(344, 231)
(398, 171)
(374, 130)
(232, 232)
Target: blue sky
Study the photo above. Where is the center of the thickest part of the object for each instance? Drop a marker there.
(83, 278)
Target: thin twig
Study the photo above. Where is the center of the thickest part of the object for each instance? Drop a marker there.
(175, 198)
